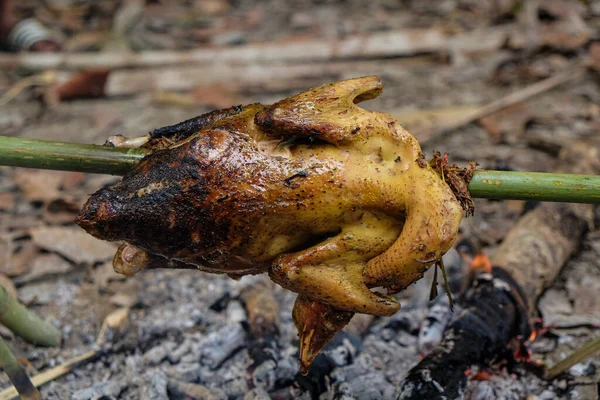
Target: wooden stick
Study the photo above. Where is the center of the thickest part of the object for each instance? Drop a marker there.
(585, 351)
(16, 317)
(17, 374)
(51, 374)
(511, 99)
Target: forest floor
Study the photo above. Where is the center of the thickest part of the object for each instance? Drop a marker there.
(446, 60)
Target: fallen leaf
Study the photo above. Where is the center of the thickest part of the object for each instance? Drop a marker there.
(73, 243)
(507, 125)
(595, 56)
(43, 266)
(62, 211)
(8, 285)
(86, 84)
(217, 96)
(21, 259)
(39, 185)
(7, 201)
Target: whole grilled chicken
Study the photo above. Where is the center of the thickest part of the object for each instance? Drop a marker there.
(330, 199)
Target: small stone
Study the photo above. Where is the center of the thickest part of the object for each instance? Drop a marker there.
(101, 390)
(155, 355)
(184, 390)
(188, 372)
(220, 345)
(154, 386)
(257, 394)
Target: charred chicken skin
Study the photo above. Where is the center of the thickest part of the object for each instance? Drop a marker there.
(329, 198)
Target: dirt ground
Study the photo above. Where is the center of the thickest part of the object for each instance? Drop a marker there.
(189, 327)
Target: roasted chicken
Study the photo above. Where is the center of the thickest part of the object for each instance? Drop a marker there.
(328, 198)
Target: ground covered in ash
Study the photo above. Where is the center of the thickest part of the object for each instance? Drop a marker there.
(184, 334)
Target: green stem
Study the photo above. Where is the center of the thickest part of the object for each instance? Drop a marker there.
(16, 317)
(44, 154)
(17, 374)
(578, 355)
(539, 186)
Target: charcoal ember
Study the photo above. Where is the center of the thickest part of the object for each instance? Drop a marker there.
(257, 394)
(218, 346)
(434, 324)
(340, 351)
(100, 390)
(179, 390)
(185, 372)
(175, 355)
(350, 372)
(341, 392)
(155, 355)
(231, 377)
(55, 391)
(232, 381)
(344, 352)
(264, 375)
(153, 385)
(398, 322)
(287, 369)
(481, 391)
(235, 312)
(367, 386)
(222, 301)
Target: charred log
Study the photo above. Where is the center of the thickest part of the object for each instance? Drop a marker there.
(499, 308)
(263, 332)
(491, 316)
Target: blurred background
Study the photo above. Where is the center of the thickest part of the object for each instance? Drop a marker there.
(506, 83)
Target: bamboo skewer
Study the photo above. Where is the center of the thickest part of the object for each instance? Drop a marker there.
(16, 317)
(30, 153)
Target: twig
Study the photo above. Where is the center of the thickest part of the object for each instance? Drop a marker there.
(400, 42)
(17, 374)
(513, 98)
(112, 320)
(51, 374)
(16, 317)
(578, 355)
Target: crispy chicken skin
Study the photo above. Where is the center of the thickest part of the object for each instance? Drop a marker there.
(330, 199)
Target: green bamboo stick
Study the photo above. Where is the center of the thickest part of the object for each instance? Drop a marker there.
(16, 317)
(17, 374)
(44, 154)
(539, 186)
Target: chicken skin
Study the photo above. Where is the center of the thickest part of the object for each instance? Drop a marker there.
(326, 197)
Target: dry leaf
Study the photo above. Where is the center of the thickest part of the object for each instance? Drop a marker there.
(43, 266)
(7, 201)
(86, 84)
(62, 211)
(39, 185)
(8, 285)
(21, 260)
(73, 243)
